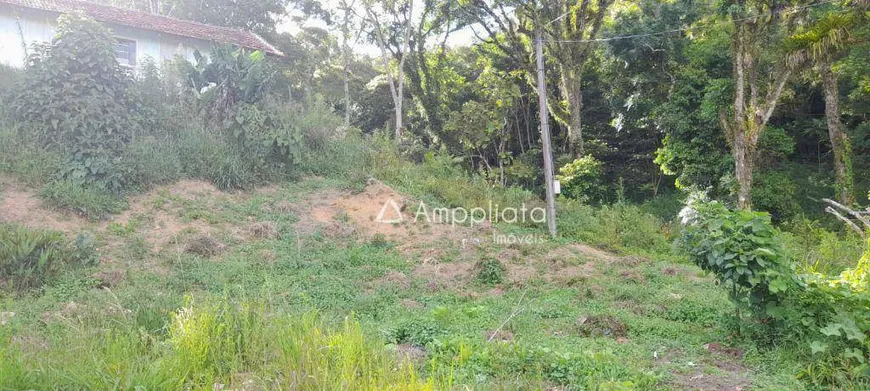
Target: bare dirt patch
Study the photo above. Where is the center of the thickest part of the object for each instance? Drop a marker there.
(567, 265)
(23, 206)
(721, 371)
(729, 378)
(410, 354)
(445, 275)
(519, 273)
(376, 212)
(159, 212)
(191, 188)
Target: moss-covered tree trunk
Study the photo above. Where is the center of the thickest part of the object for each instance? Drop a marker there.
(839, 140)
(750, 112)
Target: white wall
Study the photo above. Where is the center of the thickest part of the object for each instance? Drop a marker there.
(20, 27)
(35, 26)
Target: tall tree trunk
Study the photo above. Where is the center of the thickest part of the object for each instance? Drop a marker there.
(571, 92)
(346, 60)
(739, 145)
(743, 157)
(397, 82)
(750, 112)
(839, 140)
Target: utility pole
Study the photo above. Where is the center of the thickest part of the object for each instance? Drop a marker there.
(545, 135)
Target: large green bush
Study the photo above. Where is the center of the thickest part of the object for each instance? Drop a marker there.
(581, 178)
(776, 193)
(77, 98)
(743, 251)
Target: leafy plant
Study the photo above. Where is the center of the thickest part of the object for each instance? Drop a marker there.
(416, 331)
(29, 257)
(490, 271)
(78, 98)
(833, 314)
(581, 178)
(227, 79)
(742, 250)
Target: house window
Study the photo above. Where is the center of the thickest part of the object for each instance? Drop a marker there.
(125, 52)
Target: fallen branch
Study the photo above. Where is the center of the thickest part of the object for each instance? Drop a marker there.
(857, 215)
(846, 220)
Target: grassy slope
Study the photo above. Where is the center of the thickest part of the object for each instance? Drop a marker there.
(630, 322)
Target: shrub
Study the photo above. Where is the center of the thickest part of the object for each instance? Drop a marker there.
(228, 79)
(581, 179)
(92, 202)
(79, 98)
(741, 249)
(831, 320)
(418, 332)
(818, 250)
(28, 258)
(490, 271)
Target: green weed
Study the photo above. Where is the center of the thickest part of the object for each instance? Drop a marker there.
(91, 202)
(28, 258)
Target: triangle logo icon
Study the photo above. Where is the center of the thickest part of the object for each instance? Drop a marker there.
(388, 216)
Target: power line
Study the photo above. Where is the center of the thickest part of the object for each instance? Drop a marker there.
(665, 32)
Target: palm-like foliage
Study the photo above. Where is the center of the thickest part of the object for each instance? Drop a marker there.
(822, 40)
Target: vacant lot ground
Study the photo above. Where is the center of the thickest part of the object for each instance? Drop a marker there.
(419, 287)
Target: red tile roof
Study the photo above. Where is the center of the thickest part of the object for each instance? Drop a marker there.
(153, 22)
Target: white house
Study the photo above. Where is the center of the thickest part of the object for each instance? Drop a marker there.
(139, 34)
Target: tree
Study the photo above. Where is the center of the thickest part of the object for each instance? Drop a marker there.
(569, 28)
(396, 44)
(259, 16)
(347, 10)
(759, 76)
(819, 45)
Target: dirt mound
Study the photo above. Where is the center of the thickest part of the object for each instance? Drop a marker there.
(601, 326)
(204, 246)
